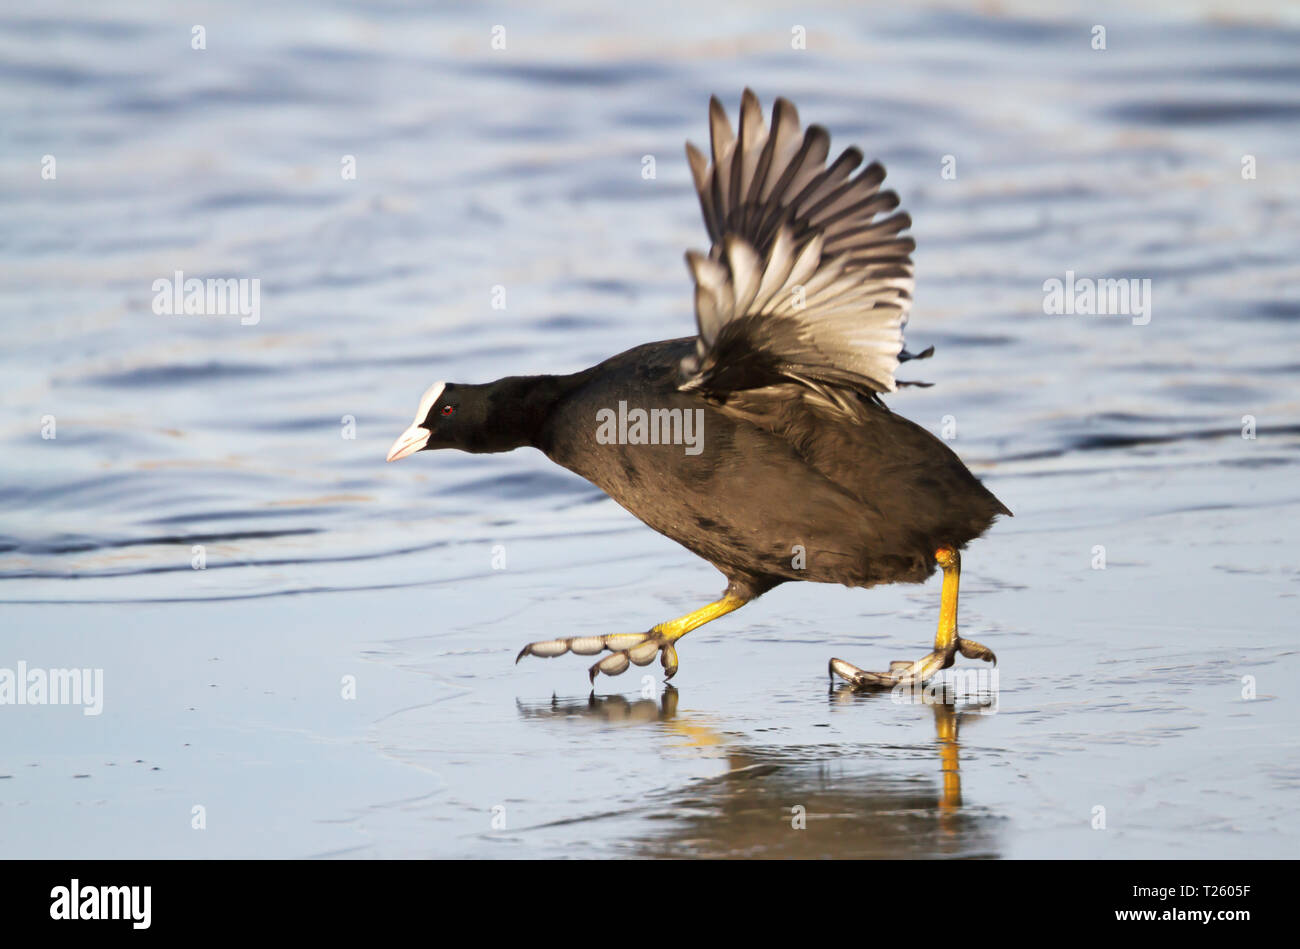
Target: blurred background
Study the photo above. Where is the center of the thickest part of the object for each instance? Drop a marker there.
(499, 156)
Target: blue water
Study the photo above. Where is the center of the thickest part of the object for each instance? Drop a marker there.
(1120, 688)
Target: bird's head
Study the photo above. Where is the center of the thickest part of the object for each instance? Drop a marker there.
(446, 416)
(474, 418)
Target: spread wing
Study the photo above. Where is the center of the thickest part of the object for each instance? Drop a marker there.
(807, 279)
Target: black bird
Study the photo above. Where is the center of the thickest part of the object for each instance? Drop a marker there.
(762, 443)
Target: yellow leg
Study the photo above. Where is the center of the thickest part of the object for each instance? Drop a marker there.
(950, 561)
(636, 648)
(946, 641)
(675, 629)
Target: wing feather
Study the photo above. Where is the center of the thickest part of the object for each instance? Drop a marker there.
(807, 279)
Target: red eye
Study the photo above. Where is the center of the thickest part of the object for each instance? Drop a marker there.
(448, 409)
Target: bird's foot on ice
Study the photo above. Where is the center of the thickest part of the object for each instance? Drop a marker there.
(626, 649)
(910, 673)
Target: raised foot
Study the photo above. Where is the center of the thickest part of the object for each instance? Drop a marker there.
(910, 673)
(626, 649)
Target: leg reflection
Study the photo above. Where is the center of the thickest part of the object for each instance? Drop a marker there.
(945, 727)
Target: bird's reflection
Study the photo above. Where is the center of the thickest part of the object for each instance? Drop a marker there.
(950, 710)
(838, 799)
(612, 709)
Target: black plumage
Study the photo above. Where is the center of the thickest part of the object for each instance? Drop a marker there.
(800, 305)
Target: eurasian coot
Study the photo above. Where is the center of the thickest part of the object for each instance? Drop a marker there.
(762, 443)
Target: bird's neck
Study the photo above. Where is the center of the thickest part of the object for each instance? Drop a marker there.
(520, 407)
